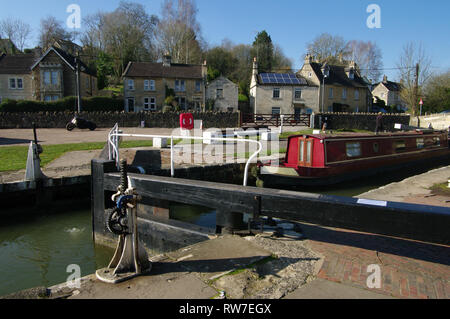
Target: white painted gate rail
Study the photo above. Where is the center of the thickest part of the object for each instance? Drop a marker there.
(115, 134)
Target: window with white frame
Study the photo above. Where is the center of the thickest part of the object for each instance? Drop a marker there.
(219, 93)
(149, 85)
(276, 110)
(16, 83)
(351, 74)
(276, 93)
(344, 93)
(198, 86)
(353, 149)
(150, 103)
(12, 84)
(47, 77)
(181, 102)
(54, 77)
(297, 94)
(356, 94)
(180, 86)
(130, 84)
(51, 77)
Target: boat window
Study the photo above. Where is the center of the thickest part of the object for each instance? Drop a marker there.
(400, 145)
(376, 147)
(302, 151)
(353, 149)
(420, 143)
(308, 151)
(437, 141)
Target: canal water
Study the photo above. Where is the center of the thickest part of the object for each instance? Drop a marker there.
(38, 252)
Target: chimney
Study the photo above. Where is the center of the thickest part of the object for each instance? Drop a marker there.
(167, 60)
(204, 69)
(385, 80)
(308, 58)
(255, 66)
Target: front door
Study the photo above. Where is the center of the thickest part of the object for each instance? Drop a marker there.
(130, 104)
(297, 112)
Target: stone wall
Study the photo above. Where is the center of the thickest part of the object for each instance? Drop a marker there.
(360, 121)
(109, 119)
(438, 121)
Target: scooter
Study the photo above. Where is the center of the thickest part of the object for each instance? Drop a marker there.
(81, 124)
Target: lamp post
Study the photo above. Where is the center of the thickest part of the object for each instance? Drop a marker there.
(325, 72)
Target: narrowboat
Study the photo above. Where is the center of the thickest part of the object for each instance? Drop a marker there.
(324, 159)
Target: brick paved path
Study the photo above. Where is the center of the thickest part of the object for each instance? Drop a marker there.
(408, 269)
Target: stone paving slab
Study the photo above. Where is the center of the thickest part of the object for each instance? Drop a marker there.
(164, 282)
(183, 274)
(217, 257)
(324, 289)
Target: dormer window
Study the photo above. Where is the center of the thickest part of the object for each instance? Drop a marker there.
(351, 74)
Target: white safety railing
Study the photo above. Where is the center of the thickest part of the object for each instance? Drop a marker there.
(115, 134)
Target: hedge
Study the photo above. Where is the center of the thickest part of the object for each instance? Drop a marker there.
(93, 104)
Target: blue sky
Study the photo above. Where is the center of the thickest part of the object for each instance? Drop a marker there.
(290, 23)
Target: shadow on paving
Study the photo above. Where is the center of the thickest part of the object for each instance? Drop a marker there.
(13, 141)
(212, 266)
(394, 246)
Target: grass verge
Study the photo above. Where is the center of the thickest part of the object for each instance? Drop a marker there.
(14, 158)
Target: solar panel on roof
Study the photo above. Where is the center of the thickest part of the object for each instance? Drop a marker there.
(281, 78)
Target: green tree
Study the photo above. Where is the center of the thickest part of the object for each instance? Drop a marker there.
(220, 62)
(104, 69)
(437, 93)
(263, 51)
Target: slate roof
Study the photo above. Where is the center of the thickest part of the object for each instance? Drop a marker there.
(17, 64)
(391, 86)
(338, 76)
(157, 70)
(68, 58)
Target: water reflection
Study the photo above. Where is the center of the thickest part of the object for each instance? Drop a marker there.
(37, 253)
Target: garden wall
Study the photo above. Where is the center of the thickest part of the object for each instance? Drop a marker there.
(109, 119)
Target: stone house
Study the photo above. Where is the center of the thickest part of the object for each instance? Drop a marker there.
(341, 88)
(224, 93)
(281, 93)
(146, 84)
(389, 92)
(49, 77)
(16, 77)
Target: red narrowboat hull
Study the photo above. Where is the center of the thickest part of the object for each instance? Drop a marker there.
(330, 166)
